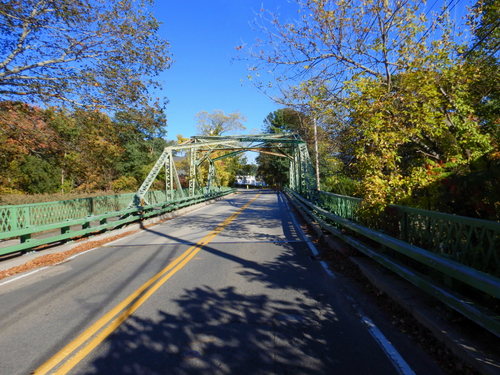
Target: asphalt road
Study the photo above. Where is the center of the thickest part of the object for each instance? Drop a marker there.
(249, 300)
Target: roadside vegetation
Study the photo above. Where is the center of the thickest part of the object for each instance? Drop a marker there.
(77, 113)
(54, 150)
(398, 102)
(405, 100)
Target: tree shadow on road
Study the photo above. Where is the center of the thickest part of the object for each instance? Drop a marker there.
(292, 322)
(223, 330)
(216, 332)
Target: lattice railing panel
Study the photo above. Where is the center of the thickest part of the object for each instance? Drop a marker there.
(6, 223)
(37, 214)
(110, 203)
(342, 206)
(475, 243)
(55, 212)
(155, 197)
(470, 241)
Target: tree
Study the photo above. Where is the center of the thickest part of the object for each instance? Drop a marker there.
(485, 26)
(28, 147)
(272, 169)
(215, 124)
(247, 170)
(218, 122)
(483, 53)
(38, 176)
(334, 42)
(96, 150)
(289, 120)
(312, 101)
(44, 150)
(412, 111)
(93, 53)
(415, 135)
(141, 135)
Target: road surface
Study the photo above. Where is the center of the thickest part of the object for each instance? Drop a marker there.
(230, 288)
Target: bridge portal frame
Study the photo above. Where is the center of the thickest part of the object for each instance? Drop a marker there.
(208, 148)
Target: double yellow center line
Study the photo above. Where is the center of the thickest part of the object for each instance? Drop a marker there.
(64, 360)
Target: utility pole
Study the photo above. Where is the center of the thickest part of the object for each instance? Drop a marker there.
(316, 153)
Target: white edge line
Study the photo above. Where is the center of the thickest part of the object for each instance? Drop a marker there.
(78, 254)
(23, 275)
(401, 366)
(327, 269)
(55, 264)
(306, 239)
(399, 363)
(127, 237)
(63, 261)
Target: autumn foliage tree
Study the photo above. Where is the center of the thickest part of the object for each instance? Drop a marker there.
(218, 122)
(28, 147)
(49, 150)
(91, 66)
(392, 84)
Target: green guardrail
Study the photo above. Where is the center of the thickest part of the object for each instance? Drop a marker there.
(84, 216)
(428, 269)
(470, 241)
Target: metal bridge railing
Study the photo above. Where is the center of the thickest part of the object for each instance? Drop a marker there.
(429, 249)
(470, 241)
(83, 216)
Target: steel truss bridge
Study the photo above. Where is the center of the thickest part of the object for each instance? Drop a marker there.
(210, 149)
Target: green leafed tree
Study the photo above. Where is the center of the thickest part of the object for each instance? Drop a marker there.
(38, 175)
(273, 170)
(247, 170)
(483, 52)
(407, 109)
(485, 22)
(217, 122)
(141, 136)
(289, 120)
(93, 53)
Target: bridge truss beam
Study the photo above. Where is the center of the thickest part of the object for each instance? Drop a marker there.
(200, 149)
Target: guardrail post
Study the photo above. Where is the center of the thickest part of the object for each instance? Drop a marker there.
(14, 225)
(404, 226)
(25, 238)
(27, 217)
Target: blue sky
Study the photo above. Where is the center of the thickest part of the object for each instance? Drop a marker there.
(205, 75)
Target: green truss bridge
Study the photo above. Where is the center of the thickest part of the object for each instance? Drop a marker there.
(211, 149)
